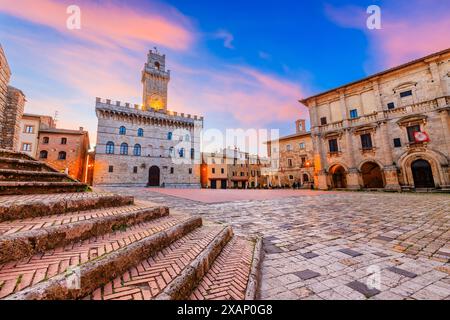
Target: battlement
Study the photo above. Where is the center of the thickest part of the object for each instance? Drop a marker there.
(126, 105)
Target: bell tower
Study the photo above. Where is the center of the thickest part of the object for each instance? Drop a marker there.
(155, 80)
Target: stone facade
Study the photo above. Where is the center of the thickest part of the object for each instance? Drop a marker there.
(5, 74)
(30, 124)
(12, 102)
(390, 130)
(147, 145)
(65, 150)
(232, 168)
(11, 119)
(291, 159)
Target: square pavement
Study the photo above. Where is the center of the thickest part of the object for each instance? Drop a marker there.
(337, 245)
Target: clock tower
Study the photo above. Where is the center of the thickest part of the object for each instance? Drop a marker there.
(155, 79)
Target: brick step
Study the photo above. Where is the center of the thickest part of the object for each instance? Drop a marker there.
(37, 187)
(97, 259)
(14, 155)
(25, 175)
(234, 274)
(23, 238)
(24, 164)
(170, 274)
(37, 205)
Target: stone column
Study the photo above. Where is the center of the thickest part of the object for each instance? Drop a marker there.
(446, 133)
(353, 174)
(390, 170)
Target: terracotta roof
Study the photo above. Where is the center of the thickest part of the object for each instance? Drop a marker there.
(445, 51)
(67, 131)
(295, 135)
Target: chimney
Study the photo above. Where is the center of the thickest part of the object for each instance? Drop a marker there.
(300, 126)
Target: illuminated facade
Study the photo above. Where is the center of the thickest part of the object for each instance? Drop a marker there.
(388, 131)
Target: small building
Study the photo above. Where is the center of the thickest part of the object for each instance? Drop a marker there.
(65, 150)
(291, 159)
(30, 126)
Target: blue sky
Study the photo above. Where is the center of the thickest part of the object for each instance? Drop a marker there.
(240, 64)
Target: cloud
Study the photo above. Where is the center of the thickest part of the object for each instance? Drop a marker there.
(409, 30)
(264, 55)
(227, 38)
(106, 24)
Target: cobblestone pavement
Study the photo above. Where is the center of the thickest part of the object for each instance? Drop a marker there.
(346, 245)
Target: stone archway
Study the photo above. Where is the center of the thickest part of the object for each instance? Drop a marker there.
(153, 176)
(338, 177)
(372, 175)
(422, 174)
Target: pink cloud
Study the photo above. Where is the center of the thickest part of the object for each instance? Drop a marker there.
(406, 32)
(107, 24)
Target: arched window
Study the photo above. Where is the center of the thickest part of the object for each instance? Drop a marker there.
(43, 154)
(137, 150)
(110, 147)
(192, 153)
(140, 132)
(62, 155)
(45, 140)
(124, 148)
(187, 137)
(181, 153)
(63, 140)
(169, 136)
(122, 130)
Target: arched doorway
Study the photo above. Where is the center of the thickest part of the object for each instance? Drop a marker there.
(422, 174)
(371, 175)
(338, 177)
(153, 176)
(305, 178)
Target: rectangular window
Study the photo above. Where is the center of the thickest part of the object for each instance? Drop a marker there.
(405, 94)
(366, 141)
(190, 170)
(353, 114)
(213, 170)
(333, 144)
(171, 170)
(289, 162)
(110, 169)
(222, 170)
(323, 121)
(302, 145)
(29, 129)
(242, 174)
(26, 147)
(288, 147)
(63, 140)
(303, 161)
(391, 105)
(411, 130)
(134, 169)
(397, 143)
(291, 177)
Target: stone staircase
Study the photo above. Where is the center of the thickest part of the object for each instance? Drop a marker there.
(21, 174)
(101, 246)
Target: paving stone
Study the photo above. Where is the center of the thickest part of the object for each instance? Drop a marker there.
(306, 274)
(351, 252)
(402, 272)
(363, 288)
(309, 255)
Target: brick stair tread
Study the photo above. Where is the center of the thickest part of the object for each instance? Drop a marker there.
(151, 276)
(26, 162)
(36, 223)
(33, 205)
(228, 277)
(39, 184)
(18, 275)
(32, 173)
(14, 154)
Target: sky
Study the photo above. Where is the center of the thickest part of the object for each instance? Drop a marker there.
(240, 64)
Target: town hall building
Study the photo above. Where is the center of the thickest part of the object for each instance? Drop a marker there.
(147, 145)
